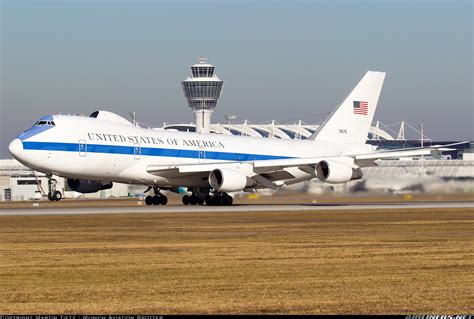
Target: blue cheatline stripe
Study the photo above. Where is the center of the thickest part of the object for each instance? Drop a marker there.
(148, 151)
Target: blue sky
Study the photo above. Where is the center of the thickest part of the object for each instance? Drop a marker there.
(281, 60)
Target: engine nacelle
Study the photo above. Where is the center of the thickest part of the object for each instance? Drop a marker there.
(227, 180)
(335, 172)
(87, 186)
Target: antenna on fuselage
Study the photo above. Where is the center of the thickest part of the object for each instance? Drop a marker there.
(134, 118)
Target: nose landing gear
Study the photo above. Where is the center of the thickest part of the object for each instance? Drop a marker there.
(53, 194)
(157, 199)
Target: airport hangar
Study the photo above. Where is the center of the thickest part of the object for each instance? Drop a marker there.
(202, 90)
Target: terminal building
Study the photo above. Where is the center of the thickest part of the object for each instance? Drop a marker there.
(202, 90)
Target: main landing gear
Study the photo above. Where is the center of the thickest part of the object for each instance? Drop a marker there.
(219, 199)
(192, 200)
(216, 199)
(157, 199)
(53, 194)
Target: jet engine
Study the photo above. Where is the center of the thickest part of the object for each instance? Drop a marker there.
(87, 186)
(227, 180)
(335, 172)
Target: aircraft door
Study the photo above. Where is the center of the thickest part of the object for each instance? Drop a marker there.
(137, 151)
(201, 154)
(82, 148)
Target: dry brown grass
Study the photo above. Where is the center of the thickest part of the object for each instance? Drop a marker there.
(406, 261)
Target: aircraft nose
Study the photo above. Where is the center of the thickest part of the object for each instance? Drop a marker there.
(15, 148)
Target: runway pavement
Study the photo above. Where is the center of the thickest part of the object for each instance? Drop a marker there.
(38, 210)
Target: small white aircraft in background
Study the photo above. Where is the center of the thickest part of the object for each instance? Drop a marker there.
(93, 152)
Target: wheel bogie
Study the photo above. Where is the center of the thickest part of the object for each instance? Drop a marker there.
(218, 199)
(213, 199)
(193, 200)
(157, 199)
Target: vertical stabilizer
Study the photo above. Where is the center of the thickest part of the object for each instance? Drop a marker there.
(350, 122)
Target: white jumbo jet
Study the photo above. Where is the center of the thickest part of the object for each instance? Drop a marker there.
(93, 152)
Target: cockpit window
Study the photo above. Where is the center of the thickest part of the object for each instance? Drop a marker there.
(39, 123)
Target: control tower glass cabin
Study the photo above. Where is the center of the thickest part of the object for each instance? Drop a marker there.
(202, 90)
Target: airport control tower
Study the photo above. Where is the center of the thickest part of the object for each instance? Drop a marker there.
(202, 90)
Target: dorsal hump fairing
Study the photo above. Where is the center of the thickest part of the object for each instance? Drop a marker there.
(350, 122)
(110, 117)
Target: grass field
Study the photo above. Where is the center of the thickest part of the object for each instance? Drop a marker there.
(406, 261)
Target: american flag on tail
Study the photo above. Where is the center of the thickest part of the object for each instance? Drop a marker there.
(361, 107)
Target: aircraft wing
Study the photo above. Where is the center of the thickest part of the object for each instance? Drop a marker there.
(265, 165)
(393, 154)
(264, 173)
(369, 159)
(267, 172)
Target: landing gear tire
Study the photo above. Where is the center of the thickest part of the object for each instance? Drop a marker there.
(186, 200)
(57, 196)
(149, 200)
(164, 200)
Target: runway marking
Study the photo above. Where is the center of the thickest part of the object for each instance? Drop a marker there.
(234, 208)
